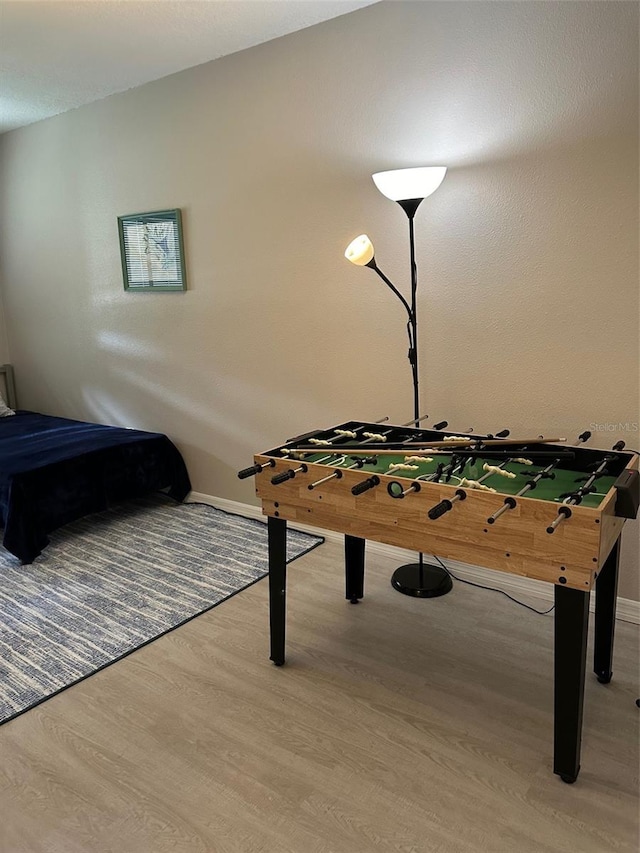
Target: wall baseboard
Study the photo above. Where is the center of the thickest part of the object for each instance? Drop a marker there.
(627, 610)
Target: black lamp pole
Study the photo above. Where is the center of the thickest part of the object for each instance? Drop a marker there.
(410, 206)
(416, 579)
(419, 580)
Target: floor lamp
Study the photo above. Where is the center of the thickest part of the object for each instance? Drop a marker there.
(408, 187)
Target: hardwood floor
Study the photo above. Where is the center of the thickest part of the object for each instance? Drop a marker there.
(397, 725)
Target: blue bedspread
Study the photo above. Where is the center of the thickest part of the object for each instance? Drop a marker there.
(55, 470)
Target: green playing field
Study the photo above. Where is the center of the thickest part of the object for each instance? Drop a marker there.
(563, 480)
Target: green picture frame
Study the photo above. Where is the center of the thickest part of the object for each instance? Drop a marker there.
(152, 251)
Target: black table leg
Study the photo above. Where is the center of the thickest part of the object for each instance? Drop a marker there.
(277, 532)
(571, 627)
(606, 595)
(354, 568)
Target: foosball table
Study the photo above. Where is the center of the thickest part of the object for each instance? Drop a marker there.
(534, 507)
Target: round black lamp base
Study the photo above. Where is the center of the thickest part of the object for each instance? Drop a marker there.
(421, 580)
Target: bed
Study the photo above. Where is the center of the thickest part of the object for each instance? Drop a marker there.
(55, 470)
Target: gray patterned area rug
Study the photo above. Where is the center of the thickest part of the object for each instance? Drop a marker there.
(110, 583)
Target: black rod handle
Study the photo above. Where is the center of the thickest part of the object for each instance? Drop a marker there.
(283, 476)
(439, 509)
(365, 485)
(504, 433)
(249, 472)
(288, 475)
(255, 469)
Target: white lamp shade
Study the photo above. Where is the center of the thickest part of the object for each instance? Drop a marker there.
(360, 251)
(402, 184)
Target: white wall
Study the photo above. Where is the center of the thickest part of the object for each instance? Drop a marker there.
(4, 344)
(528, 252)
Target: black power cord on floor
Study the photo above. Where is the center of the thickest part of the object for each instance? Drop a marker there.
(494, 589)
(511, 598)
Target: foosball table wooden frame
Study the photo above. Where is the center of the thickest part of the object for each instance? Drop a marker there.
(583, 554)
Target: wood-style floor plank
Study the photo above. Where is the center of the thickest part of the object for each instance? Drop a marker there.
(397, 724)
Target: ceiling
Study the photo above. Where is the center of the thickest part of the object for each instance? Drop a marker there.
(56, 55)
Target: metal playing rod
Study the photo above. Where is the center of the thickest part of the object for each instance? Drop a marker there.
(460, 461)
(255, 469)
(488, 453)
(563, 512)
(416, 421)
(510, 501)
(373, 481)
(342, 434)
(576, 498)
(395, 489)
(337, 474)
(252, 470)
(323, 443)
(457, 463)
(291, 473)
(425, 444)
(447, 504)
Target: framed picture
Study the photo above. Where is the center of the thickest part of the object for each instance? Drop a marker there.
(152, 251)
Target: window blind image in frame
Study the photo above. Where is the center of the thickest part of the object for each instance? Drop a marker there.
(152, 251)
